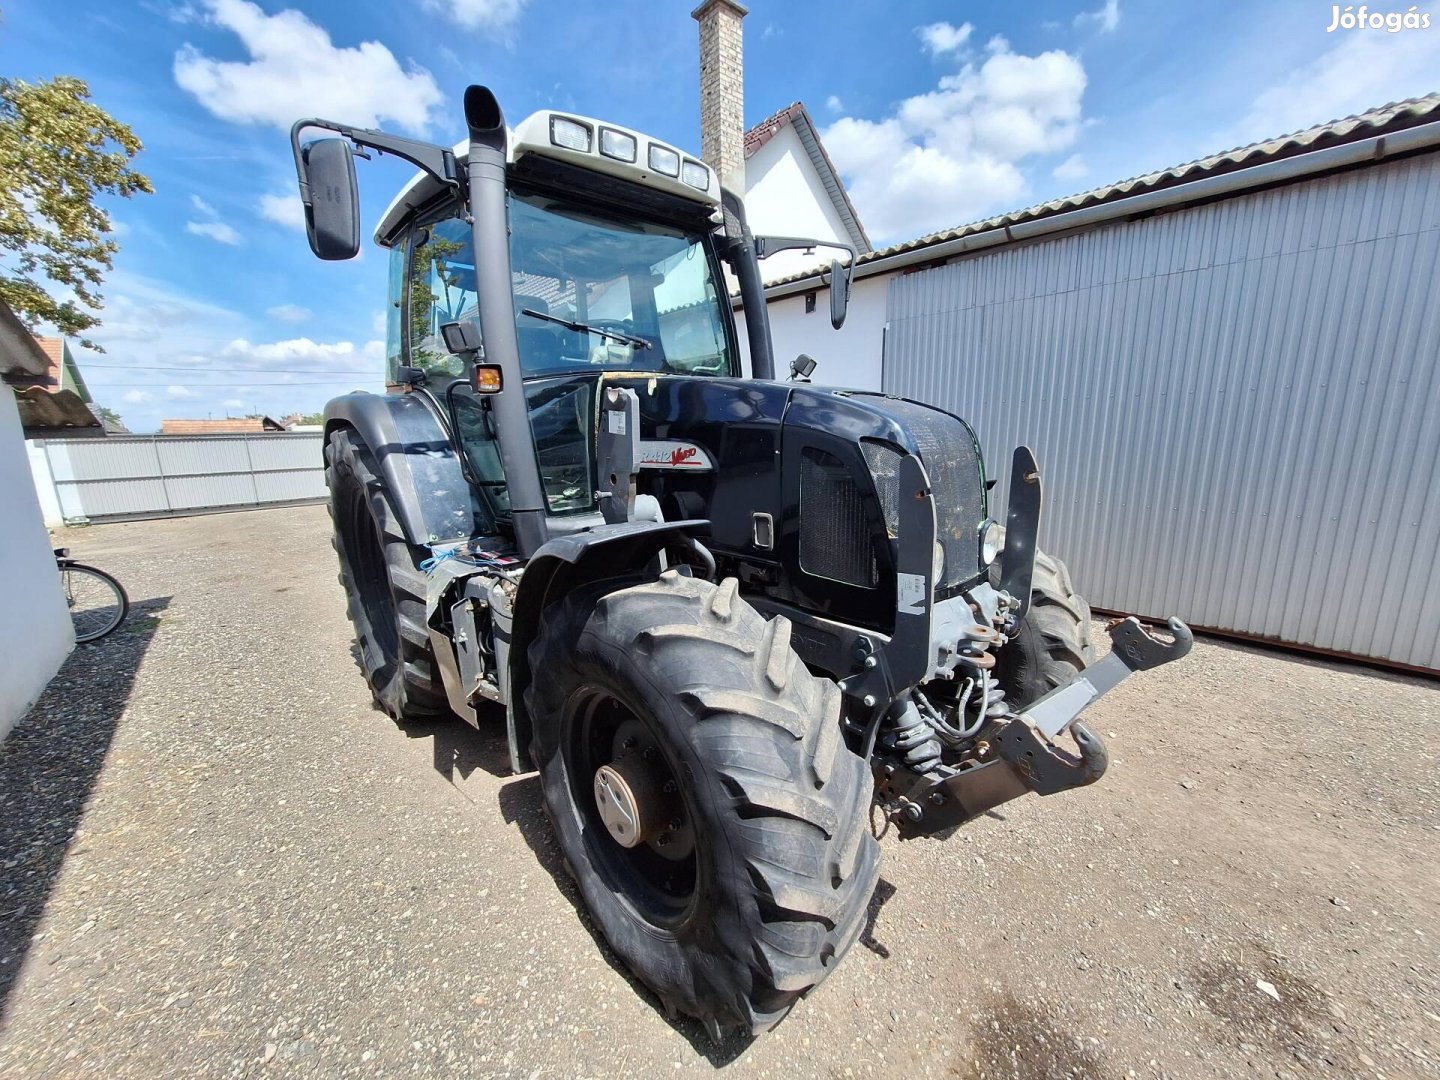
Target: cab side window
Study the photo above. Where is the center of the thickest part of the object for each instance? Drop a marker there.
(440, 289)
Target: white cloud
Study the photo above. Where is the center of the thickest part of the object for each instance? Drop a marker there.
(291, 313)
(136, 397)
(1072, 168)
(218, 231)
(941, 37)
(294, 69)
(1363, 70)
(233, 403)
(180, 393)
(203, 207)
(285, 210)
(378, 322)
(834, 104)
(1105, 20)
(302, 352)
(951, 155)
(478, 14)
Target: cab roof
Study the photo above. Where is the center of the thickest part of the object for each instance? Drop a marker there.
(597, 145)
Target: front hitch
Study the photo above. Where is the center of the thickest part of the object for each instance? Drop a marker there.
(1018, 754)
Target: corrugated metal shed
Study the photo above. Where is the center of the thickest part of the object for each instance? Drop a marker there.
(1236, 405)
(157, 476)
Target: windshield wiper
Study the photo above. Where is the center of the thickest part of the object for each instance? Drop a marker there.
(585, 328)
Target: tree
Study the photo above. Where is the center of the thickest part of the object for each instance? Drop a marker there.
(109, 417)
(58, 152)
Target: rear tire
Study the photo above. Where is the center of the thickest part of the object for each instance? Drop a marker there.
(773, 803)
(384, 585)
(1054, 642)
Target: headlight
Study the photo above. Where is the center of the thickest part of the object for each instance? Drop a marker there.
(992, 539)
(664, 160)
(617, 144)
(571, 134)
(696, 175)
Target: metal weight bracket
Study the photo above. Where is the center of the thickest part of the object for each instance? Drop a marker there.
(618, 450)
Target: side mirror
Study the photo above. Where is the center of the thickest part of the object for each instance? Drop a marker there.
(332, 218)
(839, 292)
(801, 367)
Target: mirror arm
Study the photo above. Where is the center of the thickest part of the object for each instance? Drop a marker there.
(435, 160)
(765, 246)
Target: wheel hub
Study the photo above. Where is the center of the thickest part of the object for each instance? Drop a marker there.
(627, 797)
(638, 799)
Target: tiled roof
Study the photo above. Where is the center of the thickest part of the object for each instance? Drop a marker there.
(239, 426)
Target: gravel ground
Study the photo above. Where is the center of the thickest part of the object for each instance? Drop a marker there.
(218, 859)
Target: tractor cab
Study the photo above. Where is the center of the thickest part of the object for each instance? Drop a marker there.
(599, 287)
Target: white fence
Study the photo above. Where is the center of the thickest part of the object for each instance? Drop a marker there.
(139, 476)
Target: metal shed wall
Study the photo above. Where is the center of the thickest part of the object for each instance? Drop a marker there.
(1236, 406)
(157, 476)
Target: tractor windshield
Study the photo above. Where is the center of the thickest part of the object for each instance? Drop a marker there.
(594, 292)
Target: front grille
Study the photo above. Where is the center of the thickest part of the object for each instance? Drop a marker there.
(834, 539)
(947, 450)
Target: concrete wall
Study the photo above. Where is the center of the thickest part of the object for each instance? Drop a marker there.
(848, 357)
(784, 196)
(35, 630)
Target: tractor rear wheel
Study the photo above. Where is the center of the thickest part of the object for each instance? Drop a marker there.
(384, 585)
(1054, 642)
(703, 795)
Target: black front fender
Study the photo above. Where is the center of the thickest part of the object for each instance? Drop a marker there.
(557, 569)
(421, 469)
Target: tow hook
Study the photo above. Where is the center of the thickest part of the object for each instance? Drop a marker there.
(1132, 650)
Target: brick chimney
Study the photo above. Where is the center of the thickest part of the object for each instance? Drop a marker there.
(722, 89)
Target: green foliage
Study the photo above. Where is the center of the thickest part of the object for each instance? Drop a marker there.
(58, 152)
(109, 416)
(311, 419)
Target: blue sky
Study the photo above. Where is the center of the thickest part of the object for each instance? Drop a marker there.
(936, 113)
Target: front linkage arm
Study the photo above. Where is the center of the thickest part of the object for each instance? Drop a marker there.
(1017, 754)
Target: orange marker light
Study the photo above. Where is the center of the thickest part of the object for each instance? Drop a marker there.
(487, 380)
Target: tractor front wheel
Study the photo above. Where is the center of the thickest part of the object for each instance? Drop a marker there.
(384, 585)
(703, 795)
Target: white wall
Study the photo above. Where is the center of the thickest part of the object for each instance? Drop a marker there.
(35, 630)
(50, 510)
(849, 357)
(784, 196)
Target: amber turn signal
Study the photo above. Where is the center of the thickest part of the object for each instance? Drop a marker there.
(487, 379)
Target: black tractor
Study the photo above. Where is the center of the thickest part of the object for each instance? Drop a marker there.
(725, 617)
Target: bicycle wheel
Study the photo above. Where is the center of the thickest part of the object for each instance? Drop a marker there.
(97, 602)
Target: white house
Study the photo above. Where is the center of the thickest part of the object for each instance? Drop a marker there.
(35, 630)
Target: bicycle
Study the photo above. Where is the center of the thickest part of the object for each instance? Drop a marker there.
(97, 602)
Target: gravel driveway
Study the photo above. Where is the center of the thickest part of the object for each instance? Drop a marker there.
(218, 859)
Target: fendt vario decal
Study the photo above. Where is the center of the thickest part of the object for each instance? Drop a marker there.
(673, 454)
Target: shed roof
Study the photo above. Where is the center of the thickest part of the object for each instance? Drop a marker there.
(54, 410)
(1379, 122)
